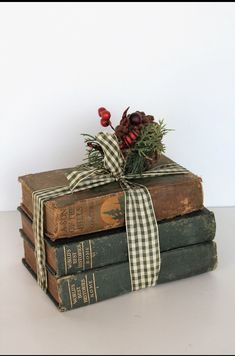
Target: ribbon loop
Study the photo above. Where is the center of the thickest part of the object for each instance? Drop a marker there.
(113, 158)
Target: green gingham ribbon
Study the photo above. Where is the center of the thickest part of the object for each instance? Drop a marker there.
(140, 219)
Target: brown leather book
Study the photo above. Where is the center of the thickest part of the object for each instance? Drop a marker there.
(102, 208)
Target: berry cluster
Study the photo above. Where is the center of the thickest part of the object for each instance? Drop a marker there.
(129, 127)
(105, 117)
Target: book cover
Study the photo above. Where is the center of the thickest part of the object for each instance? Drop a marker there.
(96, 285)
(102, 208)
(70, 256)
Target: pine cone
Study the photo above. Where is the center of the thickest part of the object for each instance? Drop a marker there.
(125, 121)
(150, 118)
(121, 131)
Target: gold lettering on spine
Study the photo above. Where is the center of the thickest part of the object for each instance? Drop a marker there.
(91, 261)
(87, 290)
(79, 293)
(93, 275)
(63, 218)
(65, 260)
(74, 258)
(79, 218)
(83, 256)
(74, 294)
(68, 258)
(91, 214)
(84, 291)
(71, 214)
(70, 294)
(80, 256)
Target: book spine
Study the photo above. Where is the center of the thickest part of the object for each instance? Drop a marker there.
(110, 249)
(93, 253)
(97, 285)
(65, 218)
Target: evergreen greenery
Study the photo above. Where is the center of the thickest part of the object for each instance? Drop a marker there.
(139, 156)
(147, 146)
(94, 154)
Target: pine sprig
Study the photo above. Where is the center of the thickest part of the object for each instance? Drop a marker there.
(147, 146)
(94, 156)
(150, 139)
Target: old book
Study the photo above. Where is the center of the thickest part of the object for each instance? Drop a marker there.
(74, 255)
(102, 208)
(86, 288)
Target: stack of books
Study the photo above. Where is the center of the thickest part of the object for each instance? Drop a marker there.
(86, 242)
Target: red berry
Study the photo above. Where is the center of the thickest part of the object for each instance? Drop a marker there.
(125, 141)
(100, 110)
(128, 140)
(132, 135)
(104, 122)
(105, 115)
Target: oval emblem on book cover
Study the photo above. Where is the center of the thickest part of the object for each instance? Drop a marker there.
(112, 210)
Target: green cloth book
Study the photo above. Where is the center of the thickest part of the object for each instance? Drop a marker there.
(96, 285)
(70, 256)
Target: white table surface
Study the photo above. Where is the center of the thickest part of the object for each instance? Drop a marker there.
(191, 316)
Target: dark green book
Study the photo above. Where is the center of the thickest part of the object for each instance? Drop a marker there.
(70, 256)
(89, 287)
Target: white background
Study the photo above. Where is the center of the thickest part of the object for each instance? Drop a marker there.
(59, 62)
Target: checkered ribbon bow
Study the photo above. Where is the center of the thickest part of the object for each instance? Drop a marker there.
(141, 223)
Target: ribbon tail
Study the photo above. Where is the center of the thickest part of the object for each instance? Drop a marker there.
(39, 198)
(142, 236)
